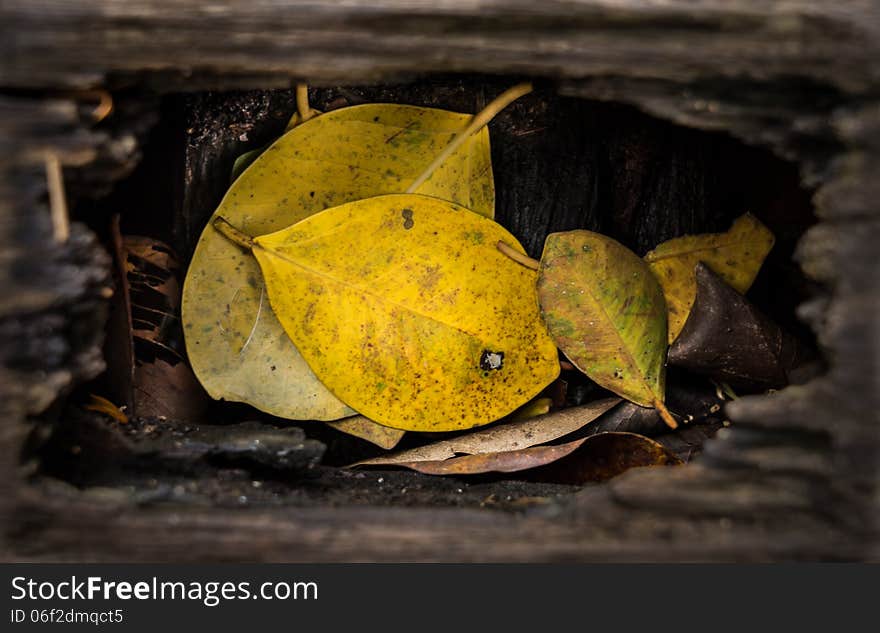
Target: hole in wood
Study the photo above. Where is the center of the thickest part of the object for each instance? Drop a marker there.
(559, 164)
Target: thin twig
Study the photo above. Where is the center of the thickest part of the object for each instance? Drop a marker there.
(57, 199)
(477, 122)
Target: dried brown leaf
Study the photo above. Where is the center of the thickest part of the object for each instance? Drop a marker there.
(163, 389)
(606, 455)
(503, 462)
(595, 458)
(503, 437)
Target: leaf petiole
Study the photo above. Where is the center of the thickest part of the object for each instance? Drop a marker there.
(302, 103)
(231, 233)
(665, 415)
(519, 258)
(477, 122)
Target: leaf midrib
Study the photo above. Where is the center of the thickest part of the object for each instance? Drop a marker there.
(689, 251)
(632, 360)
(377, 297)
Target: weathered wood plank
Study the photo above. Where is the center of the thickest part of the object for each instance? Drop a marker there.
(800, 77)
(597, 527)
(51, 43)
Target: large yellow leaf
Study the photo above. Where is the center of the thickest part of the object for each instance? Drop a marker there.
(235, 344)
(405, 309)
(736, 256)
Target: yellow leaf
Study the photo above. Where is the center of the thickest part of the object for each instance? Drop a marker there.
(538, 406)
(404, 308)
(364, 428)
(236, 346)
(736, 256)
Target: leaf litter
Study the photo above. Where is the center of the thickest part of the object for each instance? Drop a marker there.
(238, 348)
(399, 293)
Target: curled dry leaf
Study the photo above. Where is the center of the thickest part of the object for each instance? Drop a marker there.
(118, 343)
(237, 347)
(595, 458)
(152, 269)
(607, 455)
(606, 312)
(365, 429)
(728, 339)
(396, 302)
(145, 369)
(736, 255)
(163, 383)
(503, 437)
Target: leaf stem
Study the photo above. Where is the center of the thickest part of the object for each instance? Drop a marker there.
(664, 414)
(223, 226)
(477, 122)
(518, 257)
(302, 102)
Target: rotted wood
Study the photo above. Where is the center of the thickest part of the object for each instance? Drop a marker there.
(794, 477)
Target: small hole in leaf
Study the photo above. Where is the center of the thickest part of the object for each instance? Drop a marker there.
(491, 360)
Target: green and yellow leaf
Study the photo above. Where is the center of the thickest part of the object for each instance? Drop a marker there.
(606, 312)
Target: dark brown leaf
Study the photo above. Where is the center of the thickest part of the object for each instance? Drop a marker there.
(152, 271)
(163, 389)
(606, 455)
(687, 442)
(146, 371)
(730, 340)
(690, 404)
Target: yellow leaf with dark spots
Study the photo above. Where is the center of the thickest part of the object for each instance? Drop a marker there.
(405, 309)
(237, 347)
